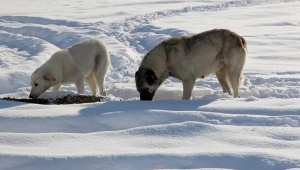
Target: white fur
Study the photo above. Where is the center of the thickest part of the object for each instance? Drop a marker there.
(87, 60)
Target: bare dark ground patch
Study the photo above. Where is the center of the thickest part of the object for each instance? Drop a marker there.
(64, 100)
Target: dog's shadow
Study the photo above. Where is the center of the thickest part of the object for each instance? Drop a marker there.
(168, 105)
(101, 116)
(111, 116)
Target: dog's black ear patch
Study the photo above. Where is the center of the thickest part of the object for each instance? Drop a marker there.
(150, 77)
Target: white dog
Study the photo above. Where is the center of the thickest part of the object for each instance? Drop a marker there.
(87, 60)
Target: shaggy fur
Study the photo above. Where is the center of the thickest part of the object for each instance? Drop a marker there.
(187, 58)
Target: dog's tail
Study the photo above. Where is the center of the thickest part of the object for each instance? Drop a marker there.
(243, 43)
(242, 79)
(241, 82)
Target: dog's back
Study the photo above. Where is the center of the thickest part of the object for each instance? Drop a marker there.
(86, 55)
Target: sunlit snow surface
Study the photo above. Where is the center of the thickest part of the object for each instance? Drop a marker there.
(260, 130)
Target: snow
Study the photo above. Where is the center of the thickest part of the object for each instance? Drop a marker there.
(213, 131)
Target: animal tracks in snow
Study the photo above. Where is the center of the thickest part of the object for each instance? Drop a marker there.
(260, 130)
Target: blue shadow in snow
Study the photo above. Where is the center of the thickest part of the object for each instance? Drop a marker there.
(170, 105)
(8, 104)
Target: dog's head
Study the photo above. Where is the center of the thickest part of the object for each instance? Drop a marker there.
(146, 83)
(152, 72)
(40, 82)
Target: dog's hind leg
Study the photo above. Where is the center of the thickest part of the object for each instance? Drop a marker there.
(102, 64)
(223, 79)
(91, 83)
(100, 76)
(56, 88)
(188, 86)
(235, 81)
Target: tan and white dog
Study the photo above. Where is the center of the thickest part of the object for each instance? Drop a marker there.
(87, 60)
(187, 58)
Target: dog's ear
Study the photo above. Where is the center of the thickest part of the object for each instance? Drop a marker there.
(150, 77)
(48, 77)
(172, 41)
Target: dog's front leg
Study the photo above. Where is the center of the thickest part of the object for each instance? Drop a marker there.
(56, 88)
(188, 86)
(80, 85)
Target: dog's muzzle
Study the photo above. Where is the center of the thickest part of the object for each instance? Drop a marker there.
(33, 96)
(146, 95)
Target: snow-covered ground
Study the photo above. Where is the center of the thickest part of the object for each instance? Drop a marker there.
(260, 130)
